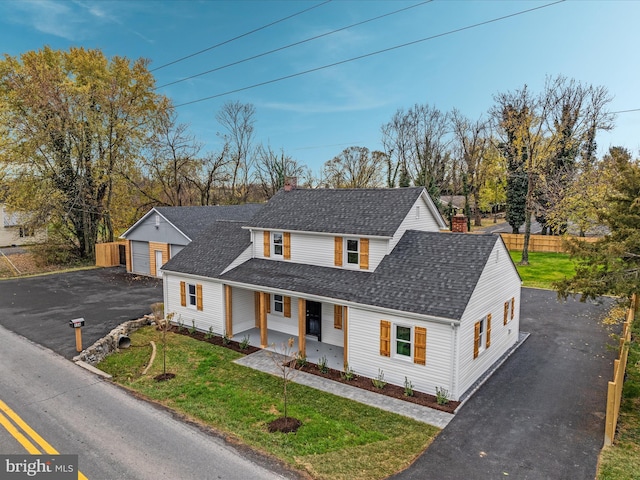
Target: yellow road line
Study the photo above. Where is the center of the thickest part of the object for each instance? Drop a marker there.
(30, 447)
(24, 441)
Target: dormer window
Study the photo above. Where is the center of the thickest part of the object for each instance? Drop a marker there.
(353, 251)
(277, 244)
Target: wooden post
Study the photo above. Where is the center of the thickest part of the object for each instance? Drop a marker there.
(302, 327)
(345, 329)
(229, 311)
(263, 320)
(78, 339)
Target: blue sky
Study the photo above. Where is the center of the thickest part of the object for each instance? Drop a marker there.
(312, 117)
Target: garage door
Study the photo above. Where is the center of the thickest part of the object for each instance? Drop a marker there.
(140, 258)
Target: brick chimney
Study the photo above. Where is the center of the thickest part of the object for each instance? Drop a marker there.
(290, 183)
(459, 223)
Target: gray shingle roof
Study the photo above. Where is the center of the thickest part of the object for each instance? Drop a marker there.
(345, 211)
(212, 251)
(192, 220)
(427, 273)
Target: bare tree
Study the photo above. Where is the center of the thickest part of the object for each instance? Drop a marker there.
(210, 175)
(472, 142)
(272, 169)
(355, 167)
(238, 121)
(171, 159)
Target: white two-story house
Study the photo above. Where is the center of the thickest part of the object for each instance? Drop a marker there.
(366, 272)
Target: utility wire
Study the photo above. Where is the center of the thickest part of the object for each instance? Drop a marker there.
(627, 111)
(292, 45)
(238, 37)
(450, 32)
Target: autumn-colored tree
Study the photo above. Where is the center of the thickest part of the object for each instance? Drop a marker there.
(70, 120)
(611, 266)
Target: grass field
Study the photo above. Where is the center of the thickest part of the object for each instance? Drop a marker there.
(339, 438)
(543, 268)
(622, 460)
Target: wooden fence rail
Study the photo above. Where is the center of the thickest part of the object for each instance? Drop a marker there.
(540, 243)
(614, 393)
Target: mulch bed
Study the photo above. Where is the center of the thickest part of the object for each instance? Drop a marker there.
(358, 381)
(214, 340)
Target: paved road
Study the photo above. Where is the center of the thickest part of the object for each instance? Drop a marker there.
(541, 415)
(40, 308)
(115, 435)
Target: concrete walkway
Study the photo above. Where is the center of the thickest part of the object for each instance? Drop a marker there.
(263, 362)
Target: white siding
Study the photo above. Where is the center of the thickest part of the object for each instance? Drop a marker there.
(498, 283)
(310, 249)
(243, 257)
(243, 313)
(212, 314)
(365, 359)
(425, 222)
(278, 322)
(330, 334)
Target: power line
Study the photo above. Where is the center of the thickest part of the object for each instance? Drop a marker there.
(450, 32)
(292, 45)
(238, 37)
(627, 111)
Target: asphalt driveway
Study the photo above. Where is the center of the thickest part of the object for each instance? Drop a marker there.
(39, 308)
(541, 415)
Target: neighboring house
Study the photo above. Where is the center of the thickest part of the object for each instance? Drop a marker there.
(366, 271)
(164, 231)
(13, 230)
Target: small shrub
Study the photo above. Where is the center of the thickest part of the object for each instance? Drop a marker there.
(180, 324)
(244, 344)
(209, 334)
(226, 339)
(301, 361)
(408, 387)
(322, 364)
(442, 396)
(192, 330)
(348, 373)
(379, 382)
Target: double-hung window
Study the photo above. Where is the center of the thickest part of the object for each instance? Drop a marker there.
(353, 251)
(403, 341)
(277, 243)
(192, 299)
(481, 335)
(278, 303)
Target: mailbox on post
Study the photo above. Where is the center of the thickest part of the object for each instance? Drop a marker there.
(77, 324)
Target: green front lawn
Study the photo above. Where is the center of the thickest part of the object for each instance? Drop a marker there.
(339, 438)
(543, 268)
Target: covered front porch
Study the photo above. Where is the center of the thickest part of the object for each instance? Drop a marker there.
(314, 350)
(269, 319)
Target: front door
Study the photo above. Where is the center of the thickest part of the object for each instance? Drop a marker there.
(314, 318)
(158, 262)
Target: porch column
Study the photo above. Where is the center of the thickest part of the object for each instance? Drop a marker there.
(345, 329)
(263, 320)
(228, 313)
(302, 324)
